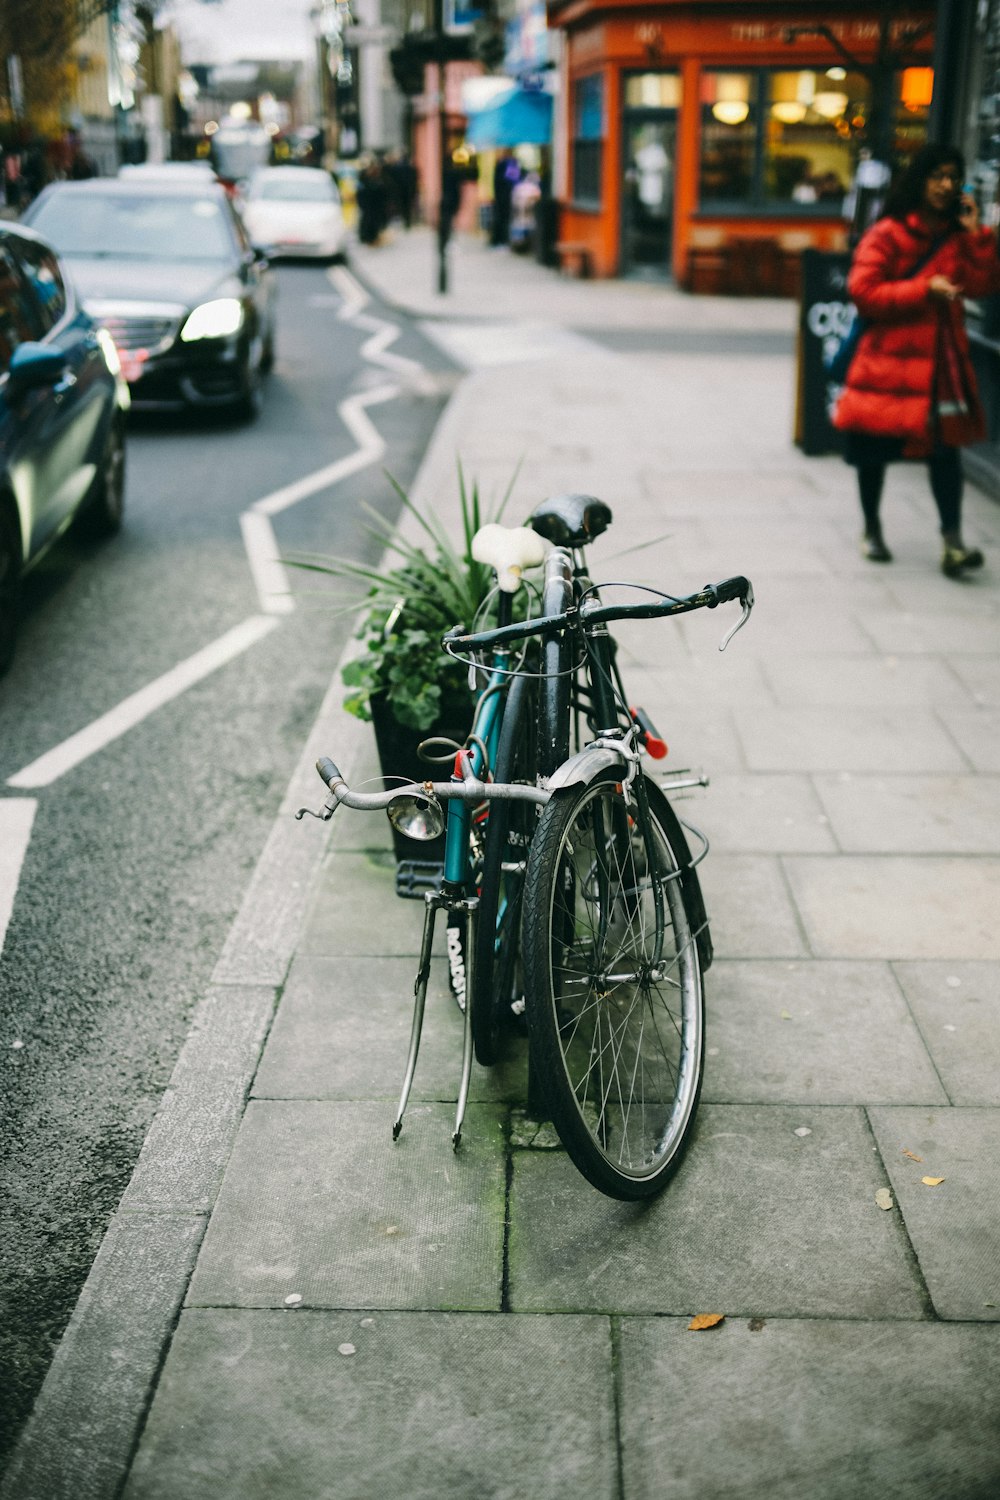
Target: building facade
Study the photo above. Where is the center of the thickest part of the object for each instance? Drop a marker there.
(711, 143)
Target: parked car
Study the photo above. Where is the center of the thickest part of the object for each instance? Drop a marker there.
(295, 211)
(171, 273)
(170, 172)
(62, 417)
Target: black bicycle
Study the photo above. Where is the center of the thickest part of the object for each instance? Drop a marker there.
(614, 936)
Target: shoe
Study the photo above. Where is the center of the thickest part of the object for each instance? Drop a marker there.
(874, 548)
(958, 560)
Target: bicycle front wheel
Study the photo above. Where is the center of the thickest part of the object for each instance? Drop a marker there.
(613, 983)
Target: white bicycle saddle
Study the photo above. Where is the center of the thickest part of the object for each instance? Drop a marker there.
(509, 550)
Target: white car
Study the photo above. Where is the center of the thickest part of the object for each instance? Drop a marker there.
(295, 211)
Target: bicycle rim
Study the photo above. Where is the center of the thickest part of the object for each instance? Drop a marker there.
(614, 988)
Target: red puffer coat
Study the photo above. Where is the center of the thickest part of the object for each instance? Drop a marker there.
(890, 384)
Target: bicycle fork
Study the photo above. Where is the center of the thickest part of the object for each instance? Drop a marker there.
(468, 906)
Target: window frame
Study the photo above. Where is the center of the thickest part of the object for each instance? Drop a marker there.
(591, 144)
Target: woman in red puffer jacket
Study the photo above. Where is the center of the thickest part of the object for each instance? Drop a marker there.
(911, 390)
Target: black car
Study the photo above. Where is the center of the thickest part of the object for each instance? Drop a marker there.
(62, 417)
(172, 275)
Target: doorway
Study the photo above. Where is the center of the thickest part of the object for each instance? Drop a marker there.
(649, 138)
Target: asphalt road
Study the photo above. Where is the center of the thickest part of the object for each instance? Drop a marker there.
(139, 854)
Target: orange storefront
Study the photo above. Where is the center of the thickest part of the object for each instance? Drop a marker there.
(705, 143)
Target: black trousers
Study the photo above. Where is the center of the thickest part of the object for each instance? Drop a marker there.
(944, 466)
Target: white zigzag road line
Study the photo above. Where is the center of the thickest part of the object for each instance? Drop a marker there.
(132, 710)
(266, 567)
(16, 817)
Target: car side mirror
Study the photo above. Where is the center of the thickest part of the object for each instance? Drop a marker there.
(33, 365)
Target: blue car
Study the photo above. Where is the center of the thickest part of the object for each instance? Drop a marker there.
(62, 417)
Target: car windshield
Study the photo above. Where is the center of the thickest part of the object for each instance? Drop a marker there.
(294, 189)
(146, 227)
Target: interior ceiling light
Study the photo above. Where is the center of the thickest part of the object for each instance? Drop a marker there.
(830, 104)
(837, 74)
(789, 112)
(731, 111)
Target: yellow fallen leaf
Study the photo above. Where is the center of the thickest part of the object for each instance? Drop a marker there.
(883, 1198)
(705, 1320)
(912, 1157)
(932, 1181)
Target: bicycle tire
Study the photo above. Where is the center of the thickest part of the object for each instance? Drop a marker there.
(616, 1024)
(508, 832)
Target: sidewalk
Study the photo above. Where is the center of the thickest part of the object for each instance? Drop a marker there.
(288, 1306)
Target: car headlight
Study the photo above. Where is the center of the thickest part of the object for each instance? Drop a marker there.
(214, 320)
(109, 351)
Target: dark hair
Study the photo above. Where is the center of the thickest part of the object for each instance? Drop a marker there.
(907, 192)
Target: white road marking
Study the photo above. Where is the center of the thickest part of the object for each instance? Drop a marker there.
(266, 567)
(16, 817)
(132, 710)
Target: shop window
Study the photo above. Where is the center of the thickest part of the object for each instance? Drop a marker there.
(812, 122)
(728, 137)
(653, 91)
(588, 138)
(790, 139)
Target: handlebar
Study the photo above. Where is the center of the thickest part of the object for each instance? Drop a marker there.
(592, 613)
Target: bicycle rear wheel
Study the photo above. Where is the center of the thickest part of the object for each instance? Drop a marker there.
(508, 834)
(613, 985)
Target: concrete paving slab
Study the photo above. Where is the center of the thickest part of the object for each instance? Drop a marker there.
(748, 904)
(977, 732)
(981, 676)
(355, 910)
(768, 633)
(422, 1407)
(869, 906)
(912, 814)
(865, 682)
(816, 738)
(758, 1222)
(825, 1033)
(833, 1411)
(770, 814)
(957, 1007)
(933, 594)
(953, 1226)
(320, 1202)
(961, 632)
(343, 1032)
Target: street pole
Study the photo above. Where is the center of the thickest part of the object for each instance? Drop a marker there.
(444, 219)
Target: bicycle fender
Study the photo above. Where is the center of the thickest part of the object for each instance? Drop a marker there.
(581, 769)
(691, 885)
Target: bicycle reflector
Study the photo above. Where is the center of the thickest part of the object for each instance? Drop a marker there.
(416, 817)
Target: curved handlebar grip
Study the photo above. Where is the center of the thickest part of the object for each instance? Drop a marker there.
(328, 772)
(730, 588)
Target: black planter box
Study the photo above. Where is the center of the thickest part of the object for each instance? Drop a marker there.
(419, 861)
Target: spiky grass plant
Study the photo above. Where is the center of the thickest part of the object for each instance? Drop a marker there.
(407, 609)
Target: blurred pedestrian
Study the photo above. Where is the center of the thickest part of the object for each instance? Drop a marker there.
(373, 202)
(506, 174)
(910, 390)
(404, 180)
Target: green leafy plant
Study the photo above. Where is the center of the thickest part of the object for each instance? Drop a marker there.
(407, 609)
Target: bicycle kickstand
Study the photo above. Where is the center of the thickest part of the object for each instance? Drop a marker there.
(436, 901)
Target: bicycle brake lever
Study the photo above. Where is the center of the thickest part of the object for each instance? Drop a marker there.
(321, 817)
(747, 602)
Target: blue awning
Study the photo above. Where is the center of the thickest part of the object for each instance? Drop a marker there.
(522, 117)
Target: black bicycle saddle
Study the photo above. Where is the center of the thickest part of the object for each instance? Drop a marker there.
(570, 520)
